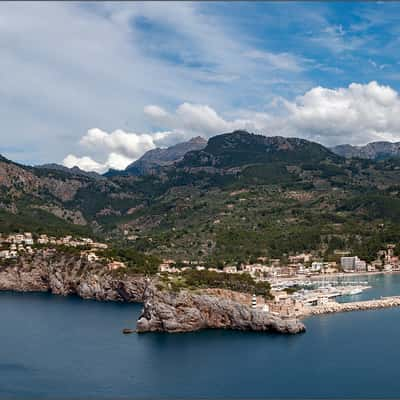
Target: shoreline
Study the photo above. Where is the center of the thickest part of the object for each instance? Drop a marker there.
(334, 275)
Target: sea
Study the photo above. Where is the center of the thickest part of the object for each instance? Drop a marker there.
(69, 348)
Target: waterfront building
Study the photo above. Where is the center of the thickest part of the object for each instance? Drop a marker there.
(286, 307)
(360, 265)
(317, 266)
(351, 264)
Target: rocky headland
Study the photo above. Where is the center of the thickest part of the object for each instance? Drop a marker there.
(163, 311)
(187, 311)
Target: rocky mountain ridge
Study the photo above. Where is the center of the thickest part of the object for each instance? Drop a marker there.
(372, 151)
(239, 186)
(152, 160)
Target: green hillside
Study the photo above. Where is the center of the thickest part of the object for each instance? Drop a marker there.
(242, 196)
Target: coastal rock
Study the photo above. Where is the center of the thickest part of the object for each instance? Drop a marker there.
(187, 311)
(65, 275)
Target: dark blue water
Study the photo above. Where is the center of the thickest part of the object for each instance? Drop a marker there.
(54, 347)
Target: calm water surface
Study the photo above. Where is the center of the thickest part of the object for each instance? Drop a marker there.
(58, 347)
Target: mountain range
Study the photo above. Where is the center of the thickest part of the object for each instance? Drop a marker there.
(237, 196)
(373, 151)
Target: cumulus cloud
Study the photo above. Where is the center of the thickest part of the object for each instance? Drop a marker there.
(196, 119)
(85, 163)
(356, 114)
(155, 111)
(130, 145)
(118, 149)
(114, 161)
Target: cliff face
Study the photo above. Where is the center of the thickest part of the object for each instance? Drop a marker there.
(163, 311)
(187, 311)
(66, 275)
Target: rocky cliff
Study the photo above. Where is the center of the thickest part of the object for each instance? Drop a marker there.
(163, 311)
(66, 275)
(188, 311)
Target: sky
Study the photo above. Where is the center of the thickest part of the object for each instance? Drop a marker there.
(97, 84)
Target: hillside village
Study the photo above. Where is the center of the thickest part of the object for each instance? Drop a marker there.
(299, 265)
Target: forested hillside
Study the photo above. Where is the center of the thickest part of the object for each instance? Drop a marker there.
(241, 196)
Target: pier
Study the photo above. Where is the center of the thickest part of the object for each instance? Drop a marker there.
(333, 307)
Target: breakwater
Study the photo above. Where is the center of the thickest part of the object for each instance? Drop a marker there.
(333, 307)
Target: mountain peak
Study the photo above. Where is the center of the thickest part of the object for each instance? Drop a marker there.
(158, 157)
(198, 140)
(240, 147)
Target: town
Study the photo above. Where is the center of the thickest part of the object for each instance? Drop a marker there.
(297, 282)
(299, 265)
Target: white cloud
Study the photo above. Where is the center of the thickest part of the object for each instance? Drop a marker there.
(155, 111)
(356, 114)
(130, 145)
(114, 161)
(110, 66)
(118, 149)
(190, 119)
(282, 61)
(84, 163)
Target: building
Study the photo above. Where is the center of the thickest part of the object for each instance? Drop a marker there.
(230, 269)
(91, 257)
(360, 265)
(352, 264)
(286, 307)
(317, 266)
(4, 254)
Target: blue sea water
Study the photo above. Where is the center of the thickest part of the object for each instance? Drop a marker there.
(57, 347)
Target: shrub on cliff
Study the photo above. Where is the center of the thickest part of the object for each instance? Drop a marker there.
(136, 262)
(237, 282)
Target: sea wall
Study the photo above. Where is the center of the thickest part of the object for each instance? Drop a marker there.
(333, 307)
(187, 311)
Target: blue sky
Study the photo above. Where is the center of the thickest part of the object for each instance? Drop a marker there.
(97, 84)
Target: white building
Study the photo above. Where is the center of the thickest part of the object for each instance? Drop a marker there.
(317, 266)
(353, 264)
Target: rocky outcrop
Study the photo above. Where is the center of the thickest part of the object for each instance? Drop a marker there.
(188, 311)
(70, 275)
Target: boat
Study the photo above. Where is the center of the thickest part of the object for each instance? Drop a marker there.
(355, 291)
